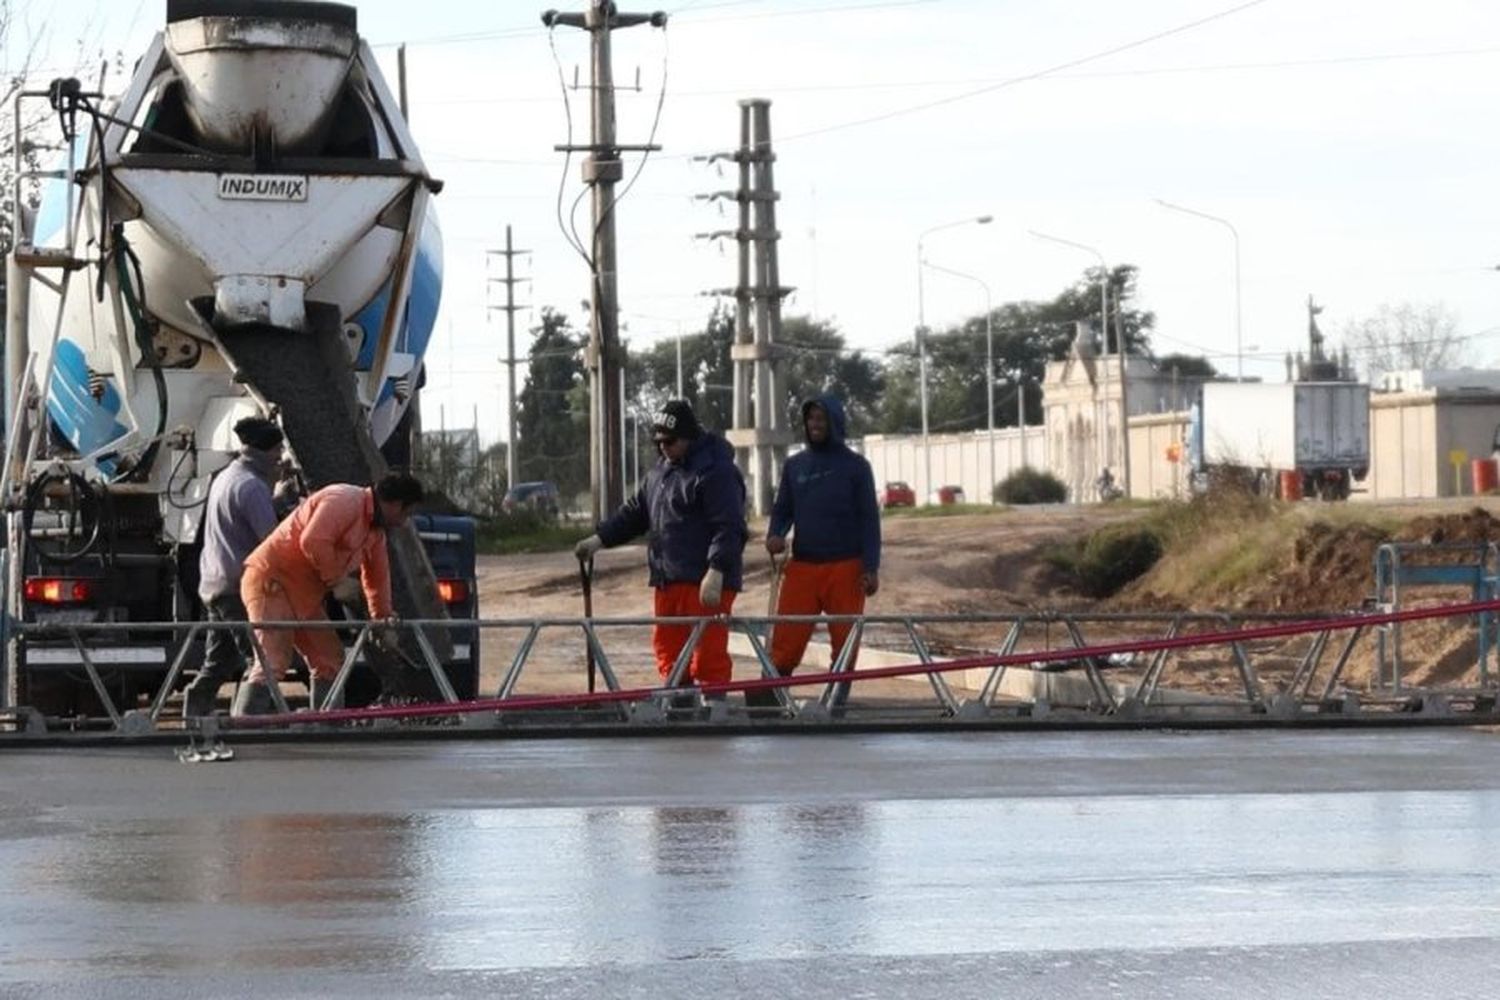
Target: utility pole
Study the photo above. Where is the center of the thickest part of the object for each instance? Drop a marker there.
(602, 170)
(509, 281)
(759, 438)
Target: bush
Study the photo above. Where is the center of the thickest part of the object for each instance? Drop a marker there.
(529, 530)
(1108, 559)
(521, 521)
(1028, 485)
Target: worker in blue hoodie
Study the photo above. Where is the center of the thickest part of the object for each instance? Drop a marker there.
(826, 501)
(692, 509)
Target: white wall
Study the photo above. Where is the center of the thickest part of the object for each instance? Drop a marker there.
(957, 459)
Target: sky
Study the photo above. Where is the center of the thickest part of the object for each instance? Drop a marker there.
(1349, 142)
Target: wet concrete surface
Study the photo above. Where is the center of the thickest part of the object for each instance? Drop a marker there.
(965, 865)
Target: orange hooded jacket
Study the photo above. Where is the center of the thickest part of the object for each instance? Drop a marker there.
(330, 534)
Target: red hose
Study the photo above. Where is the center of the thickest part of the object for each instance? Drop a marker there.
(1280, 630)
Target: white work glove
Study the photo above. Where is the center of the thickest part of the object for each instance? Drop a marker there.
(585, 549)
(346, 590)
(711, 590)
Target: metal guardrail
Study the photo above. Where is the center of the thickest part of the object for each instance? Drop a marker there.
(1047, 643)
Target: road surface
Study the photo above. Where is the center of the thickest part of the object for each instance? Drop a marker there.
(952, 865)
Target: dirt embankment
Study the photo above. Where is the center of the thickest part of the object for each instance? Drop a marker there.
(1297, 560)
(1314, 560)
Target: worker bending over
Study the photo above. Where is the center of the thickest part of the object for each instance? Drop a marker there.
(311, 554)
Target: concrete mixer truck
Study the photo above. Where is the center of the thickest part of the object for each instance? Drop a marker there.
(246, 229)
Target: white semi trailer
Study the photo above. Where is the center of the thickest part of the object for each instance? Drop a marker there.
(1319, 430)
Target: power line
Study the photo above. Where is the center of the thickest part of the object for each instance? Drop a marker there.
(569, 233)
(1024, 78)
(1267, 65)
(504, 34)
(807, 11)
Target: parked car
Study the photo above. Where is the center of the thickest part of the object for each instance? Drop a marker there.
(947, 496)
(541, 497)
(897, 494)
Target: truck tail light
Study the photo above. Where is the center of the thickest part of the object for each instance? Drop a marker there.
(58, 590)
(453, 591)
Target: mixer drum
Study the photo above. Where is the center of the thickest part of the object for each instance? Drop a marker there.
(261, 76)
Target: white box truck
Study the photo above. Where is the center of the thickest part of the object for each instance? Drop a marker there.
(1320, 430)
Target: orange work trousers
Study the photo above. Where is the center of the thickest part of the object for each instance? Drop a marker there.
(266, 600)
(807, 588)
(710, 663)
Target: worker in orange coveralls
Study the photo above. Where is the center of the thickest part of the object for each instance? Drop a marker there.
(693, 505)
(826, 500)
(311, 554)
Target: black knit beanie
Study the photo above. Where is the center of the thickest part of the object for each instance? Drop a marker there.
(258, 433)
(676, 419)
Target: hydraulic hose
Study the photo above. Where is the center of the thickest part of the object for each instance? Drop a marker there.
(84, 498)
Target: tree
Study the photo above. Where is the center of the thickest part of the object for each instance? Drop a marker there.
(1026, 336)
(1405, 336)
(553, 420)
(490, 483)
(1186, 365)
(816, 361)
(707, 373)
(452, 469)
(39, 135)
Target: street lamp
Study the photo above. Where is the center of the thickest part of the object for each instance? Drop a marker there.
(982, 220)
(989, 362)
(1119, 345)
(1239, 333)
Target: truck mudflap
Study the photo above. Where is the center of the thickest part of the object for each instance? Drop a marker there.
(308, 376)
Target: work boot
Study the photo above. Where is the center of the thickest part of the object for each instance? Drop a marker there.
(200, 697)
(317, 693)
(252, 699)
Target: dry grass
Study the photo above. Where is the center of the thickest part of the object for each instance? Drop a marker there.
(1224, 550)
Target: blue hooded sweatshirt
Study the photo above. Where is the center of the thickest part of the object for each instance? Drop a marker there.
(694, 512)
(827, 498)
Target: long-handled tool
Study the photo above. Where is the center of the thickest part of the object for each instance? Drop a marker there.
(586, 577)
(769, 699)
(778, 564)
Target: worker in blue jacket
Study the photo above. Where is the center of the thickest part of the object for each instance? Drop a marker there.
(826, 502)
(692, 504)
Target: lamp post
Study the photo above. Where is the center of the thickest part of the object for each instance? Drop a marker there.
(981, 220)
(989, 359)
(1119, 345)
(1239, 332)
